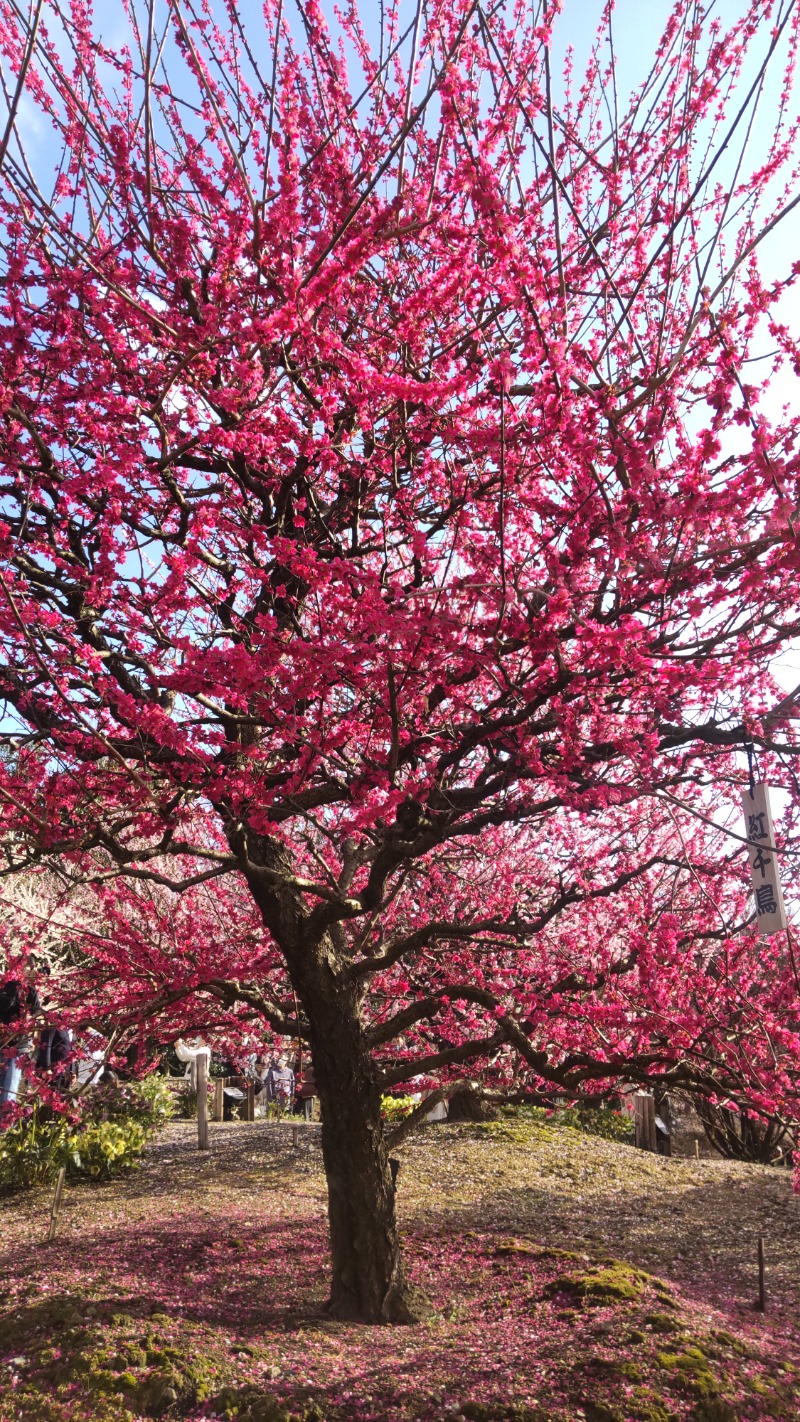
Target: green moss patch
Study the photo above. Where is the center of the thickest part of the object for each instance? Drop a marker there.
(248, 1404)
(662, 1323)
(608, 1282)
(107, 1361)
(514, 1248)
(691, 1368)
(646, 1407)
(621, 1368)
(715, 1410)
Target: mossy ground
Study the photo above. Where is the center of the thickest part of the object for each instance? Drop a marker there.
(123, 1367)
(197, 1291)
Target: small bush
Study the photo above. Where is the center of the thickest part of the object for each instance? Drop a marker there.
(149, 1102)
(158, 1100)
(32, 1152)
(611, 1125)
(104, 1133)
(396, 1108)
(185, 1105)
(102, 1150)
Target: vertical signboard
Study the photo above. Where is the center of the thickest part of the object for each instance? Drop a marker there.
(770, 913)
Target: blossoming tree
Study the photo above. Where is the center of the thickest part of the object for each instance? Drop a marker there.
(634, 973)
(383, 478)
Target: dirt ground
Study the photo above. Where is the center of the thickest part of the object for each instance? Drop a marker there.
(195, 1287)
(694, 1221)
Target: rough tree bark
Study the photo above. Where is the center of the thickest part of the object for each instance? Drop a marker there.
(367, 1282)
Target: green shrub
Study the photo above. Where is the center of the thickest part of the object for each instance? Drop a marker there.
(396, 1108)
(611, 1125)
(159, 1100)
(150, 1102)
(526, 1113)
(103, 1149)
(185, 1105)
(32, 1152)
(104, 1134)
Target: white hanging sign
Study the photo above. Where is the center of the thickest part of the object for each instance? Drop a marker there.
(770, 912)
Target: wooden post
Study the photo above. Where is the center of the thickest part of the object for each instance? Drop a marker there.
(202, 1100)
(696, 1148)
(762, 1297)
(219, 1099)
(645, 1121)
(662, 1111)
(56, 1206)
(296, 1137)
(650, 1111)
(250, 1103)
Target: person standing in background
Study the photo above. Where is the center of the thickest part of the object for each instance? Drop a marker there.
(307, 1089)
(280, 1085)
(17, 996)
(259, 1076)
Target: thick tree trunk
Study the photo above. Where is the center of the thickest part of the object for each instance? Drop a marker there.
(367, 1280)
(367, 1283)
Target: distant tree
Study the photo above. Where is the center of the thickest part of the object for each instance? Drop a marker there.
(383, 478)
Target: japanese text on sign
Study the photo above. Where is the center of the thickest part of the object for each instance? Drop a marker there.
(770, 913)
